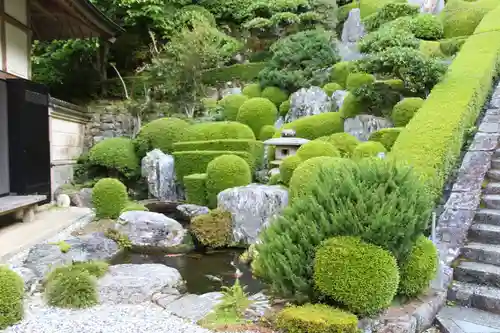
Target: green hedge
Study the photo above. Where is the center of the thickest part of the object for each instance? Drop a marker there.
(432, 140)
(460, 17)
(160, 133)
(239, 72)
(313, 127)
(11, 297)
(218, 130)
(196, 189)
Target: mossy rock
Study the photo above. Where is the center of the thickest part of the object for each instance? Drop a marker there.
(134, 206)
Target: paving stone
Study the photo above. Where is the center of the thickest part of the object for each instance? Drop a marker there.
(492, 112)
(492, 188)
(484, 142)
(463, 200)
(494, 175)
(466, 320)
(491, 201)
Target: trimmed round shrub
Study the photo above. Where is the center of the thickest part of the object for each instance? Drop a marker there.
(368, 149)
(213, 229)
(419, 269)
(287, 167)
(218, 131)
(340, 71)
(351, 107)
(386, 136)
(427, 26)
(357, 80)
(95, 268)
(284, 108)
(461, 18)
(231, 104)
(224, 172)
(266, 132)
(109, 197)
(275, 95)
(313, 127)
(160, 133)
(72, 289)
(11, 297)
(362, 276)
(252, 90)
(256, 113)
(405, 109)
(331, 87)
(317, 148)
(115, 154)
(316, 318)
(133, 207)
(344, 142)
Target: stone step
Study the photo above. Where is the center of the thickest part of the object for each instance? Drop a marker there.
(475, 272)
(482, 253)
(492, 188)
(493, 174)
(455, 319)
(484, 233)
(496, 153)
(491, 201)
(471, 295)
(495, 163)
(488, 216)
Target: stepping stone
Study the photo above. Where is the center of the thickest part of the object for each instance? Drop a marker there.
(475, 272)
(488, 216)
(473, 295)
(485, 233)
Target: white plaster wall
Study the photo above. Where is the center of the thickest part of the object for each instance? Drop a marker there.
(17, 9)
(17, 51)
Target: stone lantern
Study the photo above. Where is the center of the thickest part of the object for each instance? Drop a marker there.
(286, 145)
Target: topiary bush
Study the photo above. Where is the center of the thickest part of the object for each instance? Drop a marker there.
(266, 132)
(219, 130)
(386, 136)
(427, 26)
(331, 87)
(362, 276)
(116, 155)
(460, 18)
(160, 133)
(213, 229)
(317, 148)
(344, 142)
(284, 108)
(368, 149)
(196, 188)
(231, 104)
(357, 80)
(287, 167)
(224, 172)
(134, 206)
(109, 197)
(275, 95)
(351, 107)
(431, 49)
(404, 110)
(252, 90)
(312, 127)
(387, 37)
(340, 71)
(451, 46)
(316, 318)
(72, 289)
(11, 297)
(419, 269)
(256, 113)
(387, 13)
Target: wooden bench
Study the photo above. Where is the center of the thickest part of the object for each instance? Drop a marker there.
(23, 206)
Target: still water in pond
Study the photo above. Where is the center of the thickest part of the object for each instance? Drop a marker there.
(203, 273)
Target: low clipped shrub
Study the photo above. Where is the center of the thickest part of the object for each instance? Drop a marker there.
(224, 172)
(287, 167)
(266, 132)
(256, 113)
(331, 87)
(275, 95)
(252, 90)
(213, 229)
(387, 13)
(362, 276)
(317, 148)
(368, 149)
(95, 268)
(134, 206)
(460, 18)
(386, 136)
(196, 188)
(218, 131)
(284, 108)
(351, 107)
(11, 297)
(117, 155)
(404, 110)
(357, 80)
(312, 127)
(340, 71)
(72, 289)
(427, 26)
(387, 37)
(231, 104)
(344, 142)
(451, 46)
(419, 269)
(109, 197)
(316, 318)
(431, 49)
(160, 133)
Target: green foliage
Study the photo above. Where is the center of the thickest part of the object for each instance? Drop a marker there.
(213, 229)
(386, 38)
(266, 132)
(95, 268)
(317, 148)
(316, 318)
(331, 87)
(387, 13)
(312, 127)
(219, 130)
(275, 95)
(368, 149)
(287, 167)
(460, 18)
(369, 7)
(224, 172)
(109, 197)
(431, 49)
(72, 289)
(351, 107)
(344, 142)
(11, 297)
(231, 104)
(419, 269)
(404, 110)
(238, 72)
(274, 179)
(123, 241)
(196, 189)
(63, 246)
(161, 134)
(116, 155)
(451, 46)
(256, 113)
(284, 108)
(362, 276)
(340, 71)
(357, 80)
(133, 207)
(386, 136)
(297, 59)
(427, 26)
(252, 90)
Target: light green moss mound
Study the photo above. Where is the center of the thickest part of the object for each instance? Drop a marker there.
(196, 188)
(284, 108)
(160, 133)
(419, 269)
(11, 297)
(267, 132)
(109, 197)
(252, 90)
(316, 318)
(256, 113)
(72, 289)
(431, 49)
(331, 87)
(218, 130)
(231, 104)
(344, 142)
(404, 110)
(357, 80)
(451, 46)
(115, 154)
(312, 127)
(427, 26)
(386, 136)
(134, 207)
(275, 95)
(317, 148)
(368, 149)
(95, 268)
(340, 71)
(351, 107)
(213, 229)
(460, 18)
(362, 276)
(287, 167)
(224, 172)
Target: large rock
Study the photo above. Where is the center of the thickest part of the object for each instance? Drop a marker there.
(353, 29)
(135, 284)
(190, 211)
(252, 207)
(152, 230)
(363, 125)
(307, 102)
(82, 198)
(158, 169)
(189, 306)
(338, 96)
(43, 257)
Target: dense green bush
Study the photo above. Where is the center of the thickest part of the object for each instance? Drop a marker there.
(256, 113)
(284, 108)
(95, 268)
(369, 7)
(231, 104)
(266, 132)
(213, 229)
(312, 127)
(386, 38)
(460, 17)
(252, 90)
(357, 80)
(427, 26)
(368, 149)
(331, 87)
(344, 142)
(117, 155)
(160, 133)
(287, 167)
(419, 269)
(196, 188)
(224, 172)
(431, 49)
(451, 46)
(297, 59)
(387, 13)
(109, 197)
(254, 147)
(275, 95)
(72, 289)
(362, 276)
(11, 297)
(218, 131)
(340, 71)
(405, 109)
(386, 136)
(239, 72)
(134, 206)
(316, 318)
(317, 148)
(382, 203)
(351, 107)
